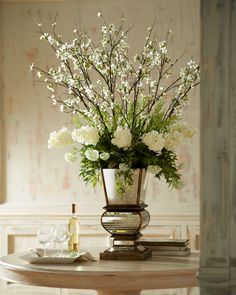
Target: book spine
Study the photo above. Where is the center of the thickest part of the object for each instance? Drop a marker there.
(155, 244)
(167, 248)
(172, 253)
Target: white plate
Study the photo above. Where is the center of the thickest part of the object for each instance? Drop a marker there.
(34, 258)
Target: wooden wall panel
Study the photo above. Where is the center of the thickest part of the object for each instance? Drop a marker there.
(193, 234)
(232, 201)
(20, 243)
(215, 149)
(18, 233)
(218, 142)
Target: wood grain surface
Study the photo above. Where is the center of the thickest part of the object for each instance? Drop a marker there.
(218, 147)
(119, 276)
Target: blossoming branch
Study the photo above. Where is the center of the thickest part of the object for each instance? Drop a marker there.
(126, 111)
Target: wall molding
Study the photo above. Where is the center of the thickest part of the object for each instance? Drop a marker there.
(95, 208)
(14, 217)
(90, 227)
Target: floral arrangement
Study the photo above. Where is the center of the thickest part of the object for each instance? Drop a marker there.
(126, 111)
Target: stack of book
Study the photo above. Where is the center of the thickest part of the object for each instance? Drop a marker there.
(167, 247)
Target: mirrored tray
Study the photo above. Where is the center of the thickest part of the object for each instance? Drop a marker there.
(34, 257)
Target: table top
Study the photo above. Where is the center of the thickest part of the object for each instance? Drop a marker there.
(155, 273)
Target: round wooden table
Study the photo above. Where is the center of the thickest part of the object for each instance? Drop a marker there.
(106, 277)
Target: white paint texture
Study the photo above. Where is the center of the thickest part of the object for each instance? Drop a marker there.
(218, 153)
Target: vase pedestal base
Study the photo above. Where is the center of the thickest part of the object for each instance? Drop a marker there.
(139, 253)
(124, 224)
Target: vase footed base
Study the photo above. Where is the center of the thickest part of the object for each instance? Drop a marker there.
(127, 254)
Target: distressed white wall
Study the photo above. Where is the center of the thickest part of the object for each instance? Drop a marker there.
(37, 185)
(34, 175)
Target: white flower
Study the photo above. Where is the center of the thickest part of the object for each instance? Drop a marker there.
(99, 14)
(50, 88)
(51, 40)
(43, 36)
(60, 139)
(122, 138)
(189, 132)
(104, 29)
(153, 83)
(173, 139)
(39, 74)
(92, 155)
(154, 169)
(31, 67)
(154, 140)
(177, 134)
(70, 157)
(104, 156)
(177, 184)
(86, 135)
(162, 47)
(186, 130)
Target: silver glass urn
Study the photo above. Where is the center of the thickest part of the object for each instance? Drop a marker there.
(125, 216)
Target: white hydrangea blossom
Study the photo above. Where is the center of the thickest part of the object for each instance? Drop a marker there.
(177, 184)
(122, 138)
(86, 135)
(173, 139)
(92, 155)
(154, 140)
(186, 130)
(154, 169)
(60, 139)
(70, 157)
(176, 135)
(104, 156)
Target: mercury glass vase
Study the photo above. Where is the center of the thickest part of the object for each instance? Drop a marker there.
(125, 215)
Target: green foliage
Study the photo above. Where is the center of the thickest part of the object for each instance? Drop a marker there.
(89, 171)
(168, 162)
